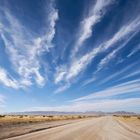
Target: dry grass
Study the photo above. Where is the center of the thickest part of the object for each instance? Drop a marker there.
(18, 119)
(129, 119)
(14, 125)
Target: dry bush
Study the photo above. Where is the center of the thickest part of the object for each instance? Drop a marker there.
(51, 116)
(116, 115)
(126, 116)
(2, 116)
(138, 117)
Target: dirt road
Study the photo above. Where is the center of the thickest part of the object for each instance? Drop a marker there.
(103, 128)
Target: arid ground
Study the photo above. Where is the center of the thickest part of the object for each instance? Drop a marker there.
(15, 125)
(93, 128)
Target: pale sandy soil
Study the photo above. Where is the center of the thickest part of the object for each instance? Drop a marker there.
(102, 128)
(20, 129)
(132, 122)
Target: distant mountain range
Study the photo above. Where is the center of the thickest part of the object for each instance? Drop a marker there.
(71, 113)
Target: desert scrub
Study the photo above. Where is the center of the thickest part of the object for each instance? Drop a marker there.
(127, 117)
(2, 116)
(138, 117)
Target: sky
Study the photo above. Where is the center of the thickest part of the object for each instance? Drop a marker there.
(69, 55)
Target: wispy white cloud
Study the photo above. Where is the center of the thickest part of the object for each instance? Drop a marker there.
(20, 47)
(62, 88)
(136, 49)
(88, 81)
(124, 32)
(96, 12)
(47, 38)
(118, 73)
(60, 73)
(129, 75)
(125, 88)
(24, 47)
(75, 68)
(78, 65)
(102, 105)
(113, 54)
(7, 80)
(105, 60)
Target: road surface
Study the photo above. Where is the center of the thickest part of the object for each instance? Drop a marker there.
(103, 128)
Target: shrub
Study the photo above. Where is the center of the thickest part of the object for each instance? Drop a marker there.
(138, 117)
(1, 116)
(50, 116)
(127, 116)
(79, 117)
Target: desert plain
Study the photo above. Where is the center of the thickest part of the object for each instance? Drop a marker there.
(70, 127)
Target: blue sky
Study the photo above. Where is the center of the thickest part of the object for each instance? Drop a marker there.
(69, 55)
